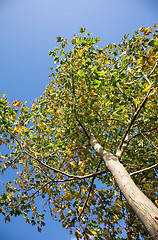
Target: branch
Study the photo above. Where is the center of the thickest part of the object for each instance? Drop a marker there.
(74, 108)
(145, 169)
(149, 141)
(84, 231)
(119, 150)
(85, 203)
(72, 177)
(153, 70)
(150, 130)
(43, 186)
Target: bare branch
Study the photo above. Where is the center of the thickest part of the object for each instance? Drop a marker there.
(145, 169)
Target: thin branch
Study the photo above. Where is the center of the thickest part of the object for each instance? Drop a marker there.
(80, 147)
(145, 169)
(43, 186)
(84, 231)
(150, 130)
(90, 189)
(14, 137)
(72, 177)
(119, 88)
(74, 108)
(149, 141)
(138, 110)
(153, 70)
(132, 121)
(63, 173)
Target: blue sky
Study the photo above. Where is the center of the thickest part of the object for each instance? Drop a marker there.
(28, 30)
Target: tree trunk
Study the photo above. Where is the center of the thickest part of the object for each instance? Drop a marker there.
(141, 205)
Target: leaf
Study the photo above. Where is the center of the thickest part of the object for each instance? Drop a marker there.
(39, 229)
(147, 88)
(17, 103)
(82, 30)
(80, 73)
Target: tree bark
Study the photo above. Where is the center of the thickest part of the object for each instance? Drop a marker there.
(141, 205)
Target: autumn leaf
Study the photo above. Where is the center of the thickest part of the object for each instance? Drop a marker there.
(17, 103)
(39, 229)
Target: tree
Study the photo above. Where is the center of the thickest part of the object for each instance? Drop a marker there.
(87, 147)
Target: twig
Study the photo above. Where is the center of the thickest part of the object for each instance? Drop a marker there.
(145, 169)
(84, 231)
(43, 186)
(149, 141)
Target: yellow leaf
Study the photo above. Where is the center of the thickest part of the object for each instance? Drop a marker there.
(3, 95)
(81, 164)
(73, 164)
(93, 231)
(33, 209)
(24, 128)
(20, 183)
(147, 31)
(33, 107)
(119, 231)
(13, 117)
(39, 218)
(42, 125)
(140, 61)
(26, 109)
(144, 180)
(147, 88)
(137, 102)
(11, 194)
(83, 191)
(46, 154)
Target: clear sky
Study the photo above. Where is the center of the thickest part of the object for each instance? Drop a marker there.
(28, 30)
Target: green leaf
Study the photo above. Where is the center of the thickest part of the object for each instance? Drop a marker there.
(80, 73)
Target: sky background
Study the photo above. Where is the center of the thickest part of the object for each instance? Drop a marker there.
(28, 30)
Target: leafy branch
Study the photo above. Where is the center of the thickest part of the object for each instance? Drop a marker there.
(90, 189)
(74, 108)
(120, 149)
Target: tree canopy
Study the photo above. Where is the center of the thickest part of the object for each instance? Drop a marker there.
(100, 107)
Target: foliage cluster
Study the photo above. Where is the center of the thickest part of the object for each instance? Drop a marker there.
(92, 90)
